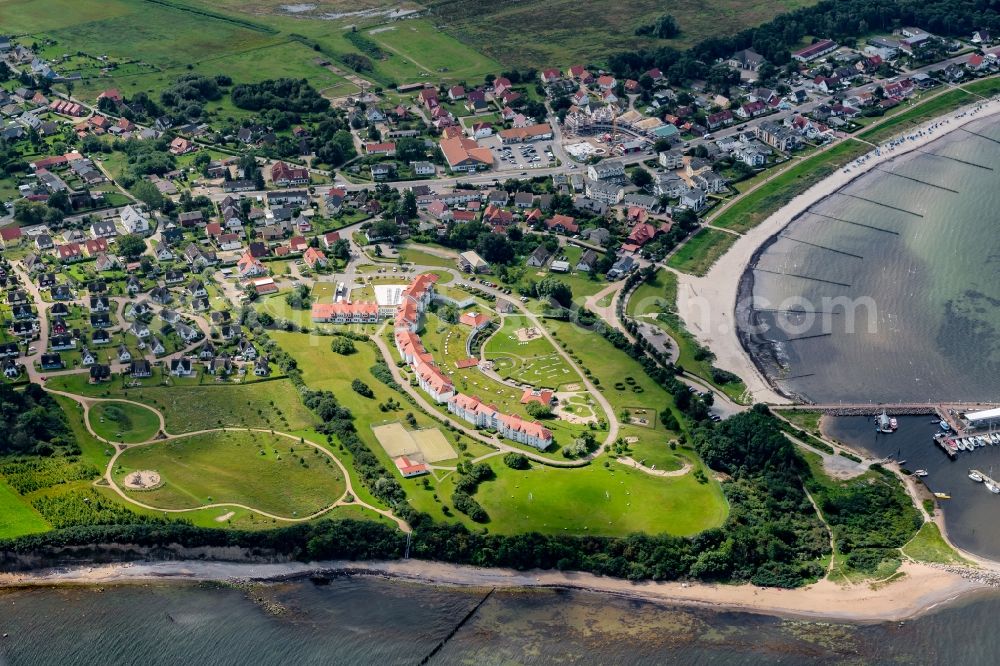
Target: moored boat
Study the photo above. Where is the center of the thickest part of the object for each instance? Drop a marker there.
(976, 476)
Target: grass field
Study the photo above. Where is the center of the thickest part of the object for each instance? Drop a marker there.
(659, 295)
(804, 419)
(186, 408)
(268, 473)
(421, 258)
(597, 500)
(535, 362)
(558, 33)
(123, 422)
(701, 251)
(420, 51)
(929, 546)
(17, 517)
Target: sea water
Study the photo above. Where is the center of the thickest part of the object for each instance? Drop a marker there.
(918, 317)
(374, 621)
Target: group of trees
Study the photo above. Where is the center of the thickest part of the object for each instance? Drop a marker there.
(31, 422)
(281, 94)
(185, 99)
(665, 27)
(835, 19)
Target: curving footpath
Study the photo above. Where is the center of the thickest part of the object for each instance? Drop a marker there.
(108, 477)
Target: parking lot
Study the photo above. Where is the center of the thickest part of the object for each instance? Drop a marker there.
(520, 156)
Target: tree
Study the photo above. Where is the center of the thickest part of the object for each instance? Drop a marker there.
(130, 246)
(342, 346)
(538, 411)
(516, 461)
(641, 178)
(341, 249)
(555, 289)
(147, 193)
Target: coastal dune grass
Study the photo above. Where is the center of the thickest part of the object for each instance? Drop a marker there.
(268, 473)
(929, 546)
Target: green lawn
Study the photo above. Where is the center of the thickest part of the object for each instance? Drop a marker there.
(929, 546)
(702, 250)
(421, 258)
(123, 422)
(658, 297)
(919, 114)
(596, 500)
(752, 209)
(266, 472)
(803, 419)
(189, 407)
(17, 517)
(535, 362)
(419, 50)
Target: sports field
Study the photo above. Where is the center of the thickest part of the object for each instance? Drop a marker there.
(428, 445)
(266, 472)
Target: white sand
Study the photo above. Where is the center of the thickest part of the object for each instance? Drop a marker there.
(707, 304)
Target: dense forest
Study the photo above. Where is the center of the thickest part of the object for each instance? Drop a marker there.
(834, 19)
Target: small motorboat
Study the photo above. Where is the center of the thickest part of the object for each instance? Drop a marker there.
(944, 426)
(975, 476)
(942, 495)
(920, 472)
(993, 488)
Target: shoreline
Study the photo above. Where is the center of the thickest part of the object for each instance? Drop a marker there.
(709, 305)
(922, 589)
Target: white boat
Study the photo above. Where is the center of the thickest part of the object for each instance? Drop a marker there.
(944, 426)
(993, 488)
(964, 444)
(920, 472)
(975, 476)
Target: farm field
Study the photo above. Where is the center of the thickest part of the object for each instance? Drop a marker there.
(596, 500)
(192, 407)
(123, 422)
(701, 251)
(268, 473)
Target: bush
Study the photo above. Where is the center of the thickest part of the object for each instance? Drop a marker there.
(362, 389)
(517, 461)
(342, 346)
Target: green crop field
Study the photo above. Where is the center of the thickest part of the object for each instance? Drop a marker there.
(596, 500)
(123, 422)
(701, 251)
(419, 50)
(269, 473)
(17, 517)
(189, 407)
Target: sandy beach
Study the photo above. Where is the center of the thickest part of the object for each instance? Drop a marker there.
(707, 304)
(921, 589)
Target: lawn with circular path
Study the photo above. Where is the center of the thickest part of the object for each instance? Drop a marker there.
(124, 422)
(269, 473)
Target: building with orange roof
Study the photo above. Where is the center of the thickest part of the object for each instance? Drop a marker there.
(345, 313)
(475, 320)
(464, 154)
(409, 468)
(541, 396)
